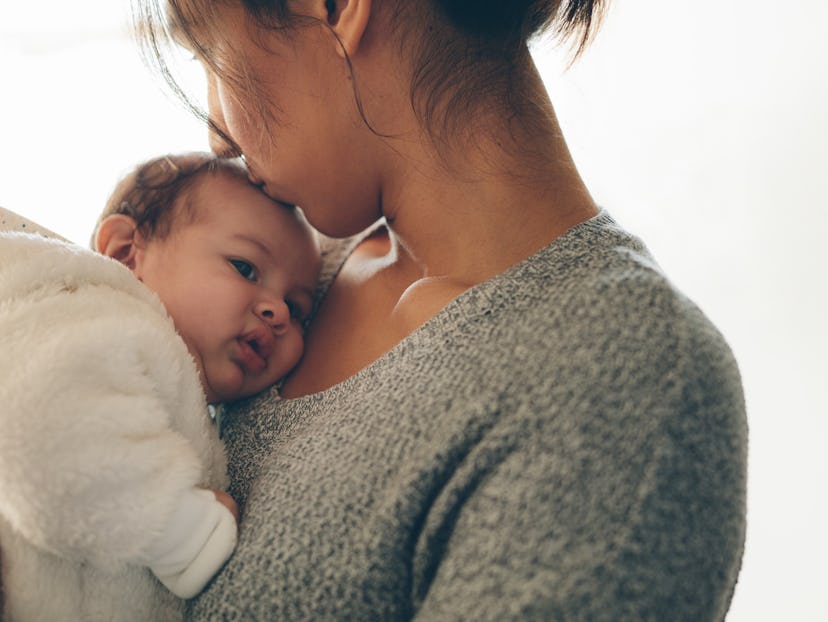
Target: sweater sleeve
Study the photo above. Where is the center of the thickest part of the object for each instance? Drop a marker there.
(633, 513)
(11, 221)
(670, 552)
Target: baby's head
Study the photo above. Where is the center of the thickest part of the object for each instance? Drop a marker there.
(235, 270)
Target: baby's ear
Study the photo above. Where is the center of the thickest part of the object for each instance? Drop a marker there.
(118, 237)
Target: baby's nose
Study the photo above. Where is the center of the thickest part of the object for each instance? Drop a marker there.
(274, 313)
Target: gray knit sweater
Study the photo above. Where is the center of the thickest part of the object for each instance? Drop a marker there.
(566, 441)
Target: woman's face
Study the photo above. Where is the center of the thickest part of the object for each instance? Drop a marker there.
(299, 128)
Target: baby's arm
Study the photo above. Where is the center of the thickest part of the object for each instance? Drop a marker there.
(199, 538)
(121, 498)
(227, 501)
(91, 469)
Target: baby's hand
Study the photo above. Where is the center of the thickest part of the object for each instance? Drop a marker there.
(228, 502)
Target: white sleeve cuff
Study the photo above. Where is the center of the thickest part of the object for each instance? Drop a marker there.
(198, 539)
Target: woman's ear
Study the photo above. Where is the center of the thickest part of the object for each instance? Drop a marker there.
(349, 20)
(118, 238)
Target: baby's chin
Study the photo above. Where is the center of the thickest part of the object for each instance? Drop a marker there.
(226, 387)
(231, 391)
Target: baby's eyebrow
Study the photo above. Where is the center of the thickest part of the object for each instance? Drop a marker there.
(257, 243)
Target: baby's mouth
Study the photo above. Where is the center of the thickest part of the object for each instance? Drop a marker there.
(256, 347)
(252, 358)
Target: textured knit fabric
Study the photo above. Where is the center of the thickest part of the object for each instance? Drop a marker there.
(566, 441)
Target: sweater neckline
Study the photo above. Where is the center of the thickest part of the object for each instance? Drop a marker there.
(561, 243)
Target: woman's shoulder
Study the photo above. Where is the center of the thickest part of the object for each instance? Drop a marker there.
(594, 309)
(598, 277)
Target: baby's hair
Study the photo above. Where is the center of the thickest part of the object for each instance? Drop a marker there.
(155, 192)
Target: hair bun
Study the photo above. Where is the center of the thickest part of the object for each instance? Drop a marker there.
(507, 18)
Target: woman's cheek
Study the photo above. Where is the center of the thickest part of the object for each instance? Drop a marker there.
(236, 116)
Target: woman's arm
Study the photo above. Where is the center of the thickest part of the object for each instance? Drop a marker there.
(633, 509)
(10, 221)
(654, 539)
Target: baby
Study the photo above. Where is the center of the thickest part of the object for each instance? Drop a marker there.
(108, 458)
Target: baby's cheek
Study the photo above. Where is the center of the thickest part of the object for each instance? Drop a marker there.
(294, 351)
(300, 347)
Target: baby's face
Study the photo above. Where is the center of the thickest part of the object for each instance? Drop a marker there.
(238, 283)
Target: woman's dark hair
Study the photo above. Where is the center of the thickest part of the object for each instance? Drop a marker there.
(464, 52)
(470, 54)
(517, 21)
(154, 194)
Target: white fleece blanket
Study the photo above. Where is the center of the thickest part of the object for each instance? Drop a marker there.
(104, 440)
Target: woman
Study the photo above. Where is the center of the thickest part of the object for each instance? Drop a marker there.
(504, 409)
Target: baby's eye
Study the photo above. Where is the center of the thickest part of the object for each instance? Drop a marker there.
(244, 268)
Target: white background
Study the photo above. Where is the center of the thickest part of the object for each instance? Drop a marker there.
(701, 126)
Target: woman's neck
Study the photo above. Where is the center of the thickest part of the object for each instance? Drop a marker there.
(510, 191)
